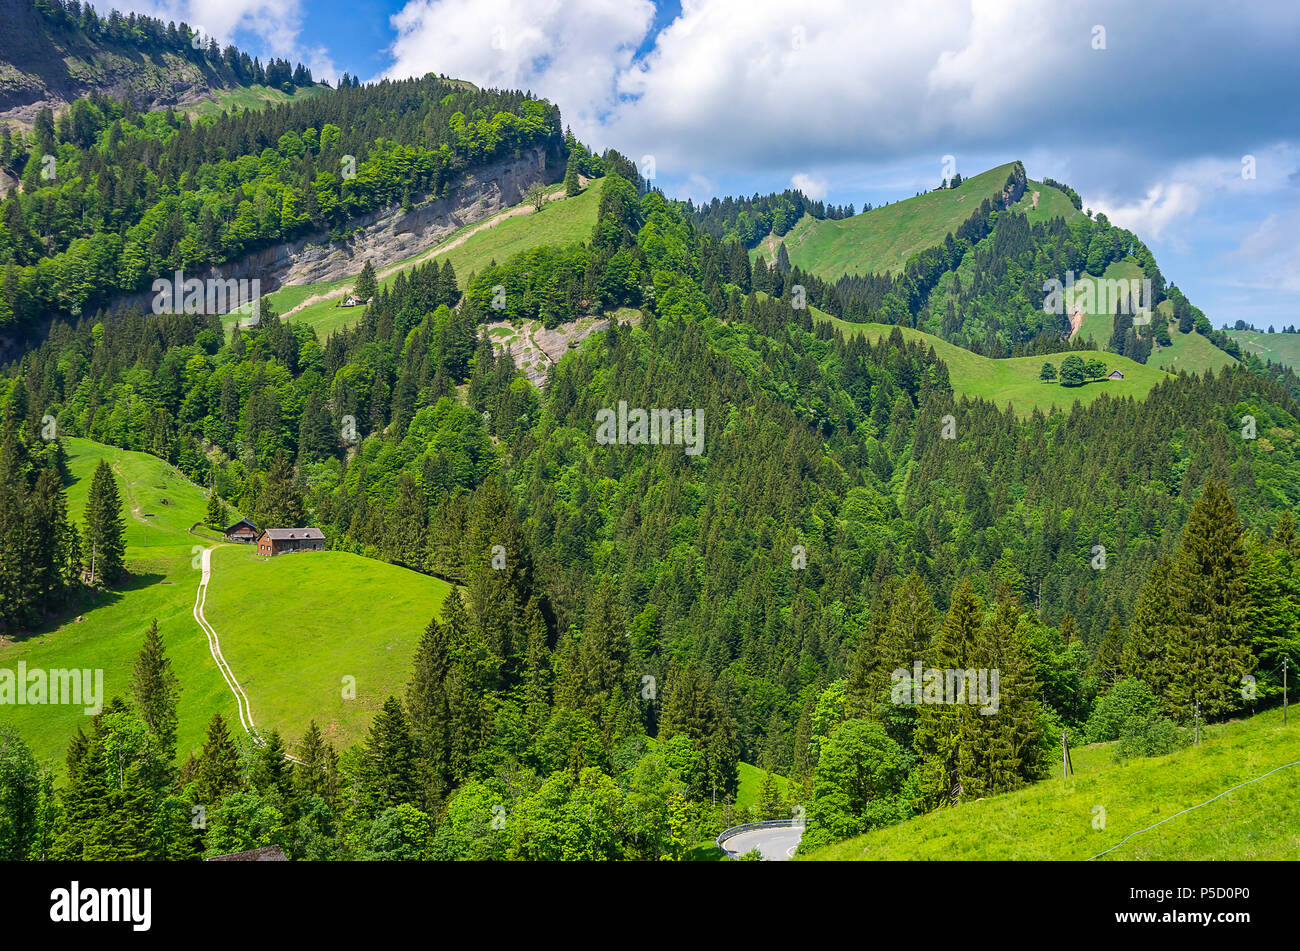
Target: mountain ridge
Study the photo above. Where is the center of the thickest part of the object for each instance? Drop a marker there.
(49, 60)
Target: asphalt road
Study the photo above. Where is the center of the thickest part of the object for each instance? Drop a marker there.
(777, 845)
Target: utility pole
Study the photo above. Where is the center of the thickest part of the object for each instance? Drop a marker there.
(1284, 663)
(1067, 768)
(1198, 723)
(93, 546)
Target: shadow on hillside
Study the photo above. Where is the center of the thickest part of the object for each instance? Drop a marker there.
(89, 601)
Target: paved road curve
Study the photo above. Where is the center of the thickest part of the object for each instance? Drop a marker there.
(777, 845)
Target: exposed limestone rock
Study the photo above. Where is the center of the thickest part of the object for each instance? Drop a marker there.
(535, 349)
(387, 234)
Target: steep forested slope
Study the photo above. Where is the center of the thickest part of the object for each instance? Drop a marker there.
(55, 52)
(137, 196)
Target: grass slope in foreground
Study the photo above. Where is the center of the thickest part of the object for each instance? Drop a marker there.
(1015, 380)
(293, 627)
(470, 248)
(881, 240)
(1053, 819)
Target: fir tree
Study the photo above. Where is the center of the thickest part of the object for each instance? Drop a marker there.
(389, 768)
(216, 514)
(999, 747)
(155, 690)
(1108, 665)
(280, 504)
(938, 730)
(770, 804)
(217, 769)
(313, 774)
(366, 284)
(1209, 648)
(571, 186)
(272, 774)
(105, 531)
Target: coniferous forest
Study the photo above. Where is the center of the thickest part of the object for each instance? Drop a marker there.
(629, 627)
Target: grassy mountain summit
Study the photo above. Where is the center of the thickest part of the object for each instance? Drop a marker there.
(882, 239)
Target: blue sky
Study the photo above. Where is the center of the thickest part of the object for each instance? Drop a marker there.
(1181, 122)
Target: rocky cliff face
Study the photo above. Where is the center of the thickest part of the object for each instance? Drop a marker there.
(1014, 189)
(41, 66)
(383, 236)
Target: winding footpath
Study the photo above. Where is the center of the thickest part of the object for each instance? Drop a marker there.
(214, 646)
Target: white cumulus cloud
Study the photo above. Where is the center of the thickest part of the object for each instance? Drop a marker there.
(569, 51)
(277, 23)
(814, 186)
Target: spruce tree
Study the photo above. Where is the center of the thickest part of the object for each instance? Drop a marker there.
(105, 531)
(571, 186)
(999, 748)
(537, 668)
(1209, 643)
(155, 690)
(427, 702)
(1144, 654)
(50, 562)
(366, 284)
(280, 504)
(770, 805)
(389, 768)
(938, 730)
(272, 774)
(216, 514)
(908, 633)
(20, 799)
(1108, 665)
(312, 773)
(217, 769)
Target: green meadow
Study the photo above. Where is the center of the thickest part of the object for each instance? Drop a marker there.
(1097, 297)
(1278, 347)
(255, 97)
(1188, 353)
(105, 630)
(1052, 203)
(1015, 380)
(291, 628)
(294, 627)
(1059, 818)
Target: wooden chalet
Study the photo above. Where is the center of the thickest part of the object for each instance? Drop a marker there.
(280, 541)
(243, 531)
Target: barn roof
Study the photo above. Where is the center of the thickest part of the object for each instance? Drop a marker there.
(242, 521)
(283, 534)
(271, 853)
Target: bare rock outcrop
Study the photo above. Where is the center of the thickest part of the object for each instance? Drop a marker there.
(383, 236)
